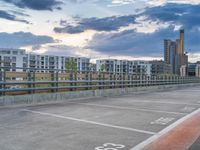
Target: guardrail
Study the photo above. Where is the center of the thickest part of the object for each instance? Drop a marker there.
(33, 82)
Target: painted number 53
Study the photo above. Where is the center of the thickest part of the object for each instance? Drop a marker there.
(110, 146)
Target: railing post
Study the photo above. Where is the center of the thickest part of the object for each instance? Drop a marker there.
(121, 82)
(132, 80)
(31, 80)
(87, 77)
(99, 78)
(115, 79)
(1, 85)
(129, 81)
(103, 80)
(56, 81)
(110, 80)
(90, 79)
(52, 80)
(2, 79)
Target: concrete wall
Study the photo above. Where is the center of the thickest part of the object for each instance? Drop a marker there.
(44, 98)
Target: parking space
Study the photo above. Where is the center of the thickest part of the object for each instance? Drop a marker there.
(116, 123)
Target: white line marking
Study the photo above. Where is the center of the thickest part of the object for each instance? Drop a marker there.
(145, 101)
(164, 131)
(190, 90)
(128, 108)
(90, 122)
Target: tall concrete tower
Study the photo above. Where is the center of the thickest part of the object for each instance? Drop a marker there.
(167, 44)
(174, 53)
(182, 41)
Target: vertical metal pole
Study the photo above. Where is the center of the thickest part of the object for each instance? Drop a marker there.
(29, 80)
(33, 80)
(99, 78)
(103, 81)
(71, 80)
(121, 78)
(87, 80)
(110, 80)
(75, 79)
(3, 79)
(56, 84)
(115, 79)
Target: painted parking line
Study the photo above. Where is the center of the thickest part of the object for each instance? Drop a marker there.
(197, 90)
(128, 108)
(179, 135)
(160, 102)
(90, 122)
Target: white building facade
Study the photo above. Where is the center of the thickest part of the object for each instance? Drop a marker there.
(43, 63)
(183, 71)
(198, 70)
(13, 58)
(137, 68)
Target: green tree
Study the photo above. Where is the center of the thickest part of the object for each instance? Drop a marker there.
(70, 65)
(102, 68)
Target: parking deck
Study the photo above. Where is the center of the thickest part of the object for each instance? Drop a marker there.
(107, 123)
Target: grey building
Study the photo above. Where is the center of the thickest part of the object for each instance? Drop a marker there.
(191, 69)
(174, 53)
(160, 67)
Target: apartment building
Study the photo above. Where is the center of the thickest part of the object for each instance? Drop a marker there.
(93, 67)
(191, 70)
(13, 58)
(43, 63)
(160, 67)
(137, 68)
(197, 70)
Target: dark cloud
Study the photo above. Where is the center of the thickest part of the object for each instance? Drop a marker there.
(36, 4)
(99, 24)
(131, 43)
(83, 1)
(179, 14)
(19, 13)
(62, 50)
(186, 15)
(20, 39)
(8, 16)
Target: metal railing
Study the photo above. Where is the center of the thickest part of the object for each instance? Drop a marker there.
(55, 81)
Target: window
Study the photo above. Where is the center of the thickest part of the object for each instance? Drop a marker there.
(15, 52)
(14, 59)
(5, 52)
(6, 59)
(24, 59)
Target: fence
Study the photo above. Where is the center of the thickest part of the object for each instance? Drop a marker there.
(31, 80)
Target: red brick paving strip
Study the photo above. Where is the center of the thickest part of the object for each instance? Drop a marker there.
(180, 137)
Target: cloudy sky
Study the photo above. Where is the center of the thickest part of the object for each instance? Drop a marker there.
(125, 29)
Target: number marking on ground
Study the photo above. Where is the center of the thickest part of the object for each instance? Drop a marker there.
(110, 146)
(188, 109)
(162, 121)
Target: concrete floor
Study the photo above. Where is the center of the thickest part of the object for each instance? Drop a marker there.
(196, 145)
(117, 123)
